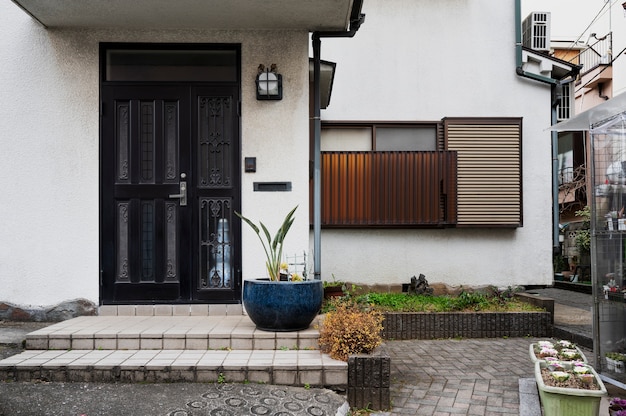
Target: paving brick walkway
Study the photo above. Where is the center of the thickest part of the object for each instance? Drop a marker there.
(458, 377)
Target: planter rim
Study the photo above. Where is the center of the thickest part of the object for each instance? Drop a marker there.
(568, 391)
(534, 358)
(266, 281)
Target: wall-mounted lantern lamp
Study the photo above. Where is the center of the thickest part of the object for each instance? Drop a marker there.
(269, 84)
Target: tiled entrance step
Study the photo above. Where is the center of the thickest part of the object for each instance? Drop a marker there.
(166, 332)
(170, 349)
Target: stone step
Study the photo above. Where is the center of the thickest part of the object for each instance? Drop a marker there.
(289, 367)
(154, 348)
(166, 332)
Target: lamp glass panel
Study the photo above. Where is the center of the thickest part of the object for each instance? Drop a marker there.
(268, 83)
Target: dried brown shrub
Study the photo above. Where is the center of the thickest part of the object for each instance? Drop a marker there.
(350, 329)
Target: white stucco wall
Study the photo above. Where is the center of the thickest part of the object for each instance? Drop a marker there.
(49, 134)
(424, 60)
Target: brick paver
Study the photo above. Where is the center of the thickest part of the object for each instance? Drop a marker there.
(458, 377)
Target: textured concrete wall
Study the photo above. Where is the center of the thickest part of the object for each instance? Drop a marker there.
(50, 159)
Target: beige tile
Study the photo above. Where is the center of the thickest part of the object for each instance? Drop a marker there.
(261, 376)
(128, 343)
(335, 377)
(207, 375)
(217, 310)
(241, 343)
(82, 344)
(219, 343)
(107, 310)
(197, 343)
(264, 344)
(234, 309)
(59, 344)
(163, 310)
(285, 377)
(126, 310)
(234, 376)
(174, 343)
(311, 378)
(199, 310)
(144, 310)
(181, 310)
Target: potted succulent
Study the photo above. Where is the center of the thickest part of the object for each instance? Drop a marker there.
(275, 304)
(568, 388)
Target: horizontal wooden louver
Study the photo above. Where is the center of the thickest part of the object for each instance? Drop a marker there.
(388, 189)
(489, 171)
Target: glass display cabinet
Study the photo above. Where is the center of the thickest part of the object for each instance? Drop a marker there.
(608, 242)
(606, 124)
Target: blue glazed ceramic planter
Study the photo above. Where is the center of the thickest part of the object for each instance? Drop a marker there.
(282, 306)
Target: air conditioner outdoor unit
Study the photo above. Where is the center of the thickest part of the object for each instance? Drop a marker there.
(536, 31)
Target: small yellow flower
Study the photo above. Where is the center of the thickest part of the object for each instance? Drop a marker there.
(284, 266)
(295, 277)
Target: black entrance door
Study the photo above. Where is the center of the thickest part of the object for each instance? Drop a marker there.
(169, 187)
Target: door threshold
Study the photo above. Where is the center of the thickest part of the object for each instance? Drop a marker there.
(235, 309)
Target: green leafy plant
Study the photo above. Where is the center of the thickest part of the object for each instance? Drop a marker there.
(350, 329)
(273, 247)
(333, 283)
(583, 236)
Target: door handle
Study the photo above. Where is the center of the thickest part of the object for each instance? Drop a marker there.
(182, 195)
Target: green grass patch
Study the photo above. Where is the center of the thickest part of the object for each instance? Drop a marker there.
(491, 300)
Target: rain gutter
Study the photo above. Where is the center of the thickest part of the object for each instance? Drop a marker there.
(554, 85)
(356, 19)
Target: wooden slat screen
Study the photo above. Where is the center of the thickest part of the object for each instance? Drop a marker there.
(388, 189)
(489, 170)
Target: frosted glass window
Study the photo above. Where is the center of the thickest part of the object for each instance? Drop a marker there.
(346, 139)
(406, 138)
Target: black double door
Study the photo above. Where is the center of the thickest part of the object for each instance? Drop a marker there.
(169, 186)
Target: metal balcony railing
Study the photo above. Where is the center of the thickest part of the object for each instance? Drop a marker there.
(599, 53)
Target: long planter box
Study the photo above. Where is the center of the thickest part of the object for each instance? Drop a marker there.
(534, 357)
(559, 401)
(424, 325)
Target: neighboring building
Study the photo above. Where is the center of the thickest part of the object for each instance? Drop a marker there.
(436, 158)
(599, 50)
